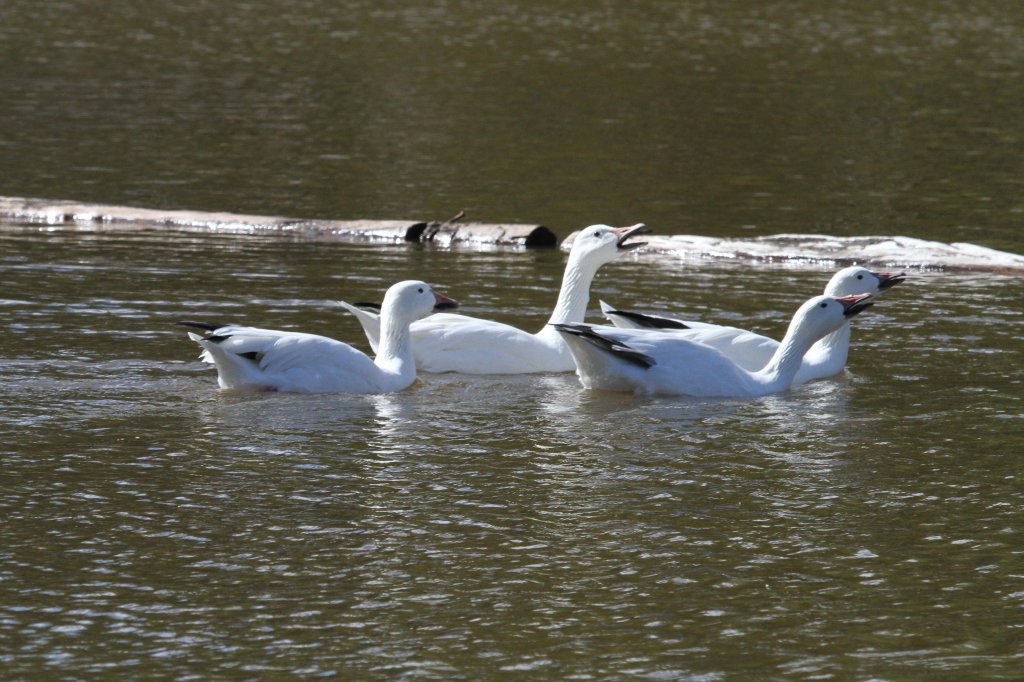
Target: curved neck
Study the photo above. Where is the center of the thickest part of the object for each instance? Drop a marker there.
(394, 349)
(782, 368)
(574, 295)
(831, 348)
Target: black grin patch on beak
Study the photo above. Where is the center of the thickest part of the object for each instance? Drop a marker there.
(889, 281)
(623, 246)
(857, 307)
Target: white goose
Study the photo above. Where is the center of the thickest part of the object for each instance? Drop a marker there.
(470, 345)
(664, 363)
(752, 351)
(250, 358)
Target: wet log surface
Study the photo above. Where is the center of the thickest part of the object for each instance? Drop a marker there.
(796, 249)
(448, 232)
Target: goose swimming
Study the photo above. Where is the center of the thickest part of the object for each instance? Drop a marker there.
(752, 351)
(665, 363)
(266, 359)
(472, 345)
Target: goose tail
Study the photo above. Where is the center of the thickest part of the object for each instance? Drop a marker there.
(368, 320)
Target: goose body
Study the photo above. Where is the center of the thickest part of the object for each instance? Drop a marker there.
(666, 363)
(471, 345)
(267, 359)
(752, 351)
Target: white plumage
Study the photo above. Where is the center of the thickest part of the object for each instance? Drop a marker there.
(471, 345)
(752, 351)
(267, 359)
(665, 363)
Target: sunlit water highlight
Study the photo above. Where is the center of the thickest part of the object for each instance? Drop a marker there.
(866, 526)
(475, 528)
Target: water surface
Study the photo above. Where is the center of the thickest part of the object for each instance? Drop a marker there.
(866, 527)
(749, 118)
(471, 527)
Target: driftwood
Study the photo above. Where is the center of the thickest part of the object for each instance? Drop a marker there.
(100, 217)
(796, 249)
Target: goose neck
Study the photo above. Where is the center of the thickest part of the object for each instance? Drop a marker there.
(835, 342)
(574, 294)
(394, 351)
(788, 357)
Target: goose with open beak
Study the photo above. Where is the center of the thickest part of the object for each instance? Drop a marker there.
(471, 345)
(752, 351)
(665, 363)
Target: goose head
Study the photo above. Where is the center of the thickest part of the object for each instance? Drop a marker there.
(822, 315)
(413, 300)
(859, 280)
(600, 244)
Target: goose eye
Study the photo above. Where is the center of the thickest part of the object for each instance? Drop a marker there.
(824, 305)
(860, 276)
(420, 290)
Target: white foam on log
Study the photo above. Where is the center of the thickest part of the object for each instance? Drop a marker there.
(804, 249)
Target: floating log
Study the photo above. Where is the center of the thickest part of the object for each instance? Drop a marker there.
(101, 217)
(794, 249)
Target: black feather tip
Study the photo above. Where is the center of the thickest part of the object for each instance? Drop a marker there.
(650, 321)
(205, 326)
(619, 350)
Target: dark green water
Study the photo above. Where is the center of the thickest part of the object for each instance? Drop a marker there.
(867, 527)
(741, 119)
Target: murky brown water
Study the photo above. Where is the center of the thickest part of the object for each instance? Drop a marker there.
(507, 527)
(866, 527)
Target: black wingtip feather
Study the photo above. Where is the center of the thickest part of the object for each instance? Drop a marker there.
(650, 321)
(208, 328)
(205, 326)
(619, 350)
(217, 338)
